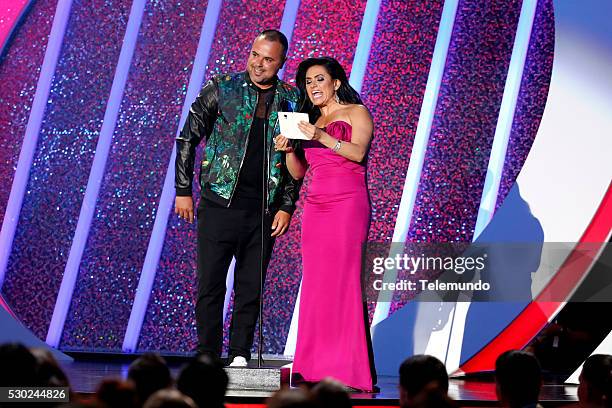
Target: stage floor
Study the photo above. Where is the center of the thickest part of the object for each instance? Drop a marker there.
(85, 375)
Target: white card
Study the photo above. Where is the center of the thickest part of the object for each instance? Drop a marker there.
(289, 124)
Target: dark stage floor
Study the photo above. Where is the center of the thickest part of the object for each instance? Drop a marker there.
(86, 374)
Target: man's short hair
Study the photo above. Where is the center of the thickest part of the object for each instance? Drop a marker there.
(275, 35)
(291, 398)
(204, 380)
(330, 393)
(597, 376)
(169, 398)
(419, 371)
(519, 377)
(19, 367)
(115, 392)
(150, 374)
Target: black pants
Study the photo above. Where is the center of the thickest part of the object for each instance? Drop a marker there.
(222, 234)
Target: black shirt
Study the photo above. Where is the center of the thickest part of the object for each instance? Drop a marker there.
(248, 193)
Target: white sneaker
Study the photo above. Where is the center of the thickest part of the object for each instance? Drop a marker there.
(238, 361)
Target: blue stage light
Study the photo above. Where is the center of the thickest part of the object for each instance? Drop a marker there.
(158, 234)
(30, 139)
(506, 116)
(417, 156)
(62, 303)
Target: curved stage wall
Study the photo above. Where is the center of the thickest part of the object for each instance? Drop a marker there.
(85, 156)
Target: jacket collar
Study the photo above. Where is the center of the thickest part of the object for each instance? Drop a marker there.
(247, 80)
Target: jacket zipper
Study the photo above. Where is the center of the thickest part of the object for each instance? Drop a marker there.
(269, 152)
(267, 158)
(268, 164)
(246, 145)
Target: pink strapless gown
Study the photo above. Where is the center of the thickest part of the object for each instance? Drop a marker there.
(332, 333)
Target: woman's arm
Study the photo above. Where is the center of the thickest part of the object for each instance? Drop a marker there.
(296, 163)
(357, 148)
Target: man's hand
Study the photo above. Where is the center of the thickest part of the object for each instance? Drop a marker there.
(183, 206)
(280, 223)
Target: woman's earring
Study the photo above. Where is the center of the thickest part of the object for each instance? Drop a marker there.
(336, 98)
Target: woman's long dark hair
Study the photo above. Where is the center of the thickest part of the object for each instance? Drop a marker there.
(346, 93)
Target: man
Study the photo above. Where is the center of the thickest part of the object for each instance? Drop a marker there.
(149, 373)
(204, 380)
(423, 378)
(238, 116)
(518, 379)
(595, 389)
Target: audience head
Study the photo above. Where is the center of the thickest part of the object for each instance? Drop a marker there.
(204, 380)
(518, 378)
(421, 374)
(432, 397)
(149, 373)
(291, 398)
(50, 373)
(330, 393)
(116, 393)
(170, 398)
(595, 389)
(19, 366)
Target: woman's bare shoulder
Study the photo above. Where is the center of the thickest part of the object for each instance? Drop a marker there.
(358, 112)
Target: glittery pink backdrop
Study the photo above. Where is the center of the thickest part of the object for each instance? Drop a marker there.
(393, 87)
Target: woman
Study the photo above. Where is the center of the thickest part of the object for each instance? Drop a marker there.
(333, 336)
